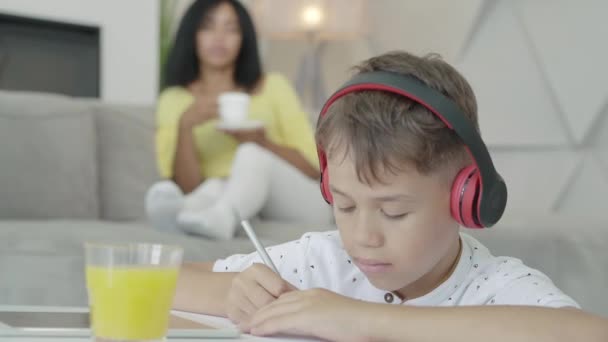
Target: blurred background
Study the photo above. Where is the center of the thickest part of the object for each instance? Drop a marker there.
(79, 82)
(537, 67)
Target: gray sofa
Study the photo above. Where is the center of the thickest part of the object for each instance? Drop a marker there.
(73, 171)
(77, 170)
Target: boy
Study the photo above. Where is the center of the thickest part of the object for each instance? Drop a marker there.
(400, 182)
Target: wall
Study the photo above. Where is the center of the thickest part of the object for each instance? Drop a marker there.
(540, 82)
(129, 41)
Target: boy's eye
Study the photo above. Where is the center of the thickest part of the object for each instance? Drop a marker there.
(347, 209)
(394, 217)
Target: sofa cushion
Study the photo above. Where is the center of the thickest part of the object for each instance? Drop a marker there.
(127, 168)
(47, 157)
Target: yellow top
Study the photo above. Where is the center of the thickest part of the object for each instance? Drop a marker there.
(276, 104)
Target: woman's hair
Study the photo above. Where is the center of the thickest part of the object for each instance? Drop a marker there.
(182, 66)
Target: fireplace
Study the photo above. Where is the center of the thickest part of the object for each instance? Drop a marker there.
(48, 56)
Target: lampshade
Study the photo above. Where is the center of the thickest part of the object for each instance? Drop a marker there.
(325, 19)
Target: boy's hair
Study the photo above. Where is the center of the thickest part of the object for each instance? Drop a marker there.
(385, 131)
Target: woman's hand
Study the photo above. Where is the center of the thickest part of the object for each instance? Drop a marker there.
(203, 109)
(257, 135)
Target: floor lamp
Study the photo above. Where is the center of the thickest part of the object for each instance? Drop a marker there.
(315, 23)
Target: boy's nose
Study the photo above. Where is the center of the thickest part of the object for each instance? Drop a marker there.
(368, 233)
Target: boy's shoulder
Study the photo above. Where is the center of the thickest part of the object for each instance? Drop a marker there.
(485, 279)
(315, 251)
(311, 247)
(322, 242)
(319, 260)
(499, 269)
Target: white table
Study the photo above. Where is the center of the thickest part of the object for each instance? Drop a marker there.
(218, 322)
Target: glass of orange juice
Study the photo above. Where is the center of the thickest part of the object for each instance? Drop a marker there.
(131, 288)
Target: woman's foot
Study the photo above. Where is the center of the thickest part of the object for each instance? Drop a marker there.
(164, 200)
(217, 222)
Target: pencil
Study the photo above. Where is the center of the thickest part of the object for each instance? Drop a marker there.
(258, 245)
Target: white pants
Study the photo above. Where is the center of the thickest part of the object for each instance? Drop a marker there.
(260, 183)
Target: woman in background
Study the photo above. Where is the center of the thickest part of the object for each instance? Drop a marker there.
(214, 177)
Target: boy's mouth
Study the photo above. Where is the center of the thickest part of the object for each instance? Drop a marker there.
(372, 266)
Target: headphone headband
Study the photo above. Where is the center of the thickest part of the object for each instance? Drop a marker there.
(493, 193)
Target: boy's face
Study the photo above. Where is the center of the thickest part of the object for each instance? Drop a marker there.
(399, 232)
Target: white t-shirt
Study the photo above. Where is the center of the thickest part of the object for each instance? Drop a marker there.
(318, 260)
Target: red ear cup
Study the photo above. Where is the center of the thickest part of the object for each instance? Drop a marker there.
(457, 192)
(325, 187)
(324, 181)
(470, 201)
(465, 196)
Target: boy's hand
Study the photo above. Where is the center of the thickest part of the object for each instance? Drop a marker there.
(318, 312)
(252, 289)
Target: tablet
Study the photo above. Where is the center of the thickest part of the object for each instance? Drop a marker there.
(76, 324)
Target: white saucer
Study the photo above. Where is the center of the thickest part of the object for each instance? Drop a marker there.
(246, 125)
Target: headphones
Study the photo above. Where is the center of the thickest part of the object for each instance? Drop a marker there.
(479, 194)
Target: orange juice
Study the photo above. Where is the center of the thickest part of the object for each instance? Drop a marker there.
(130, 303)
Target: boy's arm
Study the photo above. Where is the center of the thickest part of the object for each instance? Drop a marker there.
(327, 315)
(242, 285)
(233, 295)
(201, 290)
(496, 323)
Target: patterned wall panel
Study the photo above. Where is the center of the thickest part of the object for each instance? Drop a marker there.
(515, 105)
(570, 44)
(536, 179)
(541, 86)
(587, 191)
(600, 139)
(422, 26)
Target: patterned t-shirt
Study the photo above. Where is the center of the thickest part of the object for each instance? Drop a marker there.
(318, 260)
